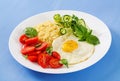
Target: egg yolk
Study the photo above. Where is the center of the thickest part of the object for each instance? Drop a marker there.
(69, 46)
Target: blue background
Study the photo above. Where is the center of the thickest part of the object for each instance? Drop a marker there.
(12, 12)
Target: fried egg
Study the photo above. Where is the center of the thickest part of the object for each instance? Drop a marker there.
(73, 50)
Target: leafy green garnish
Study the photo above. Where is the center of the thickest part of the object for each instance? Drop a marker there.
(78, 26)
(81, 22)
(64, 62)
(31, 32)
(92, 40)
(75, 18)
(49, 50)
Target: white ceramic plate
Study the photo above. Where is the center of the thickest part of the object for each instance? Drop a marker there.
(98, 27)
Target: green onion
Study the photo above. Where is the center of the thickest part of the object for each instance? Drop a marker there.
(63, 31)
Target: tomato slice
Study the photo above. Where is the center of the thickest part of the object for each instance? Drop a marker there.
(56, 55)
(42, 47)
(34, 53)
(43, 60)
(23, 38)
(24, 45)
(33, 58)
(27, 49)
(32, 41)
(54, 63)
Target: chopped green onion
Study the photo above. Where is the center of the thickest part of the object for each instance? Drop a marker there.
(63, 31)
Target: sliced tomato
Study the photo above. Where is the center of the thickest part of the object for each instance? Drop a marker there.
(42, 47)
(27, 49)
(45, 52)
(32, 41)
(24, 45)
(56, 55)
(33, 58)
(54, 63)
(43, 60)
(23, 38)
(34, 53)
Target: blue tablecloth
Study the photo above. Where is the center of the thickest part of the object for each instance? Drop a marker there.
(12, 12)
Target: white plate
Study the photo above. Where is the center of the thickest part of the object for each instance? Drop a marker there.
(98, 27)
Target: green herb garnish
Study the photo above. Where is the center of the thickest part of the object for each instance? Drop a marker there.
(64, 62)
(49, 50)
(31, 32)
(92, 40)
(78, 26)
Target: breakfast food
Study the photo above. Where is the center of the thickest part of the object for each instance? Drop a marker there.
(39, 51)
(48, 31)
(72, 50)
(65, 41)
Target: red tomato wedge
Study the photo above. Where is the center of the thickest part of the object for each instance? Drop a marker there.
(34, 53)
(54, 63)
(56, 55)
(33, 58)
(32, 41)
(43, 60)
(27, 49)
(24, 45)
(42, 47)
(23, 38)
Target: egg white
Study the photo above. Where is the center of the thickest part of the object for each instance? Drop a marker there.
(82, 53)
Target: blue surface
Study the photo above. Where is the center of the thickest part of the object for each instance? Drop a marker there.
(12, 12)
